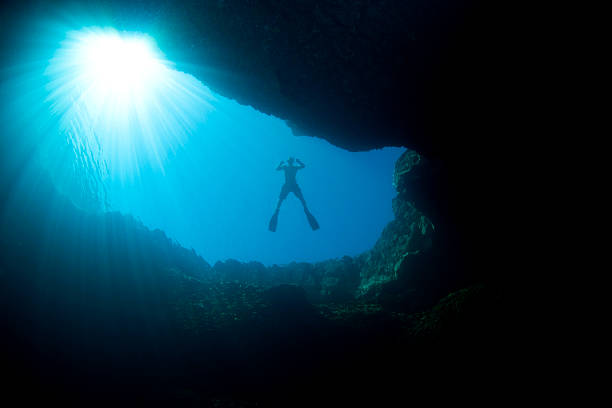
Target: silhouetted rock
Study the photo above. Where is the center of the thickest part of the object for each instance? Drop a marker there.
(99, 308)
(231, 270)
(288, 303)
(409, 234)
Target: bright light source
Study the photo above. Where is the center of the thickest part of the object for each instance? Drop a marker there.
(120, 102)
(119, 65)
(115, 68)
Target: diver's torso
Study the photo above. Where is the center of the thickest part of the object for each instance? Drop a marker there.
(290, 173)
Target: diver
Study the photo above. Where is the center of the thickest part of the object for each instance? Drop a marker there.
(291, 186)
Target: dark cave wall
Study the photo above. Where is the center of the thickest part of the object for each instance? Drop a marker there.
(342, 70)
(426, 75)
(418, 74)
(361, 74)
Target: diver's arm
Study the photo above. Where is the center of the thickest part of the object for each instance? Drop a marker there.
(300, 163)
(280, 165)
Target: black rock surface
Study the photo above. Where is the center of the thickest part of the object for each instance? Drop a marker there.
(110, 311)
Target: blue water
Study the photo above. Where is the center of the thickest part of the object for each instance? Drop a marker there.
(220, 190)
(202, 167)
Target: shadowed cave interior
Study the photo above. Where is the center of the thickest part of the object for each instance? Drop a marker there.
(96, 308)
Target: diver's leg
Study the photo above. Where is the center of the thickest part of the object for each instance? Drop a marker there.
(298, 193)
(311, 219)
(283, 194)
(274, 220)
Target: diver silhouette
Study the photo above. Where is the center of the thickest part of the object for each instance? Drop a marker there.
(291, 186)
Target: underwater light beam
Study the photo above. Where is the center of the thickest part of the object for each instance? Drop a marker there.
(119, 66)
(120, 103)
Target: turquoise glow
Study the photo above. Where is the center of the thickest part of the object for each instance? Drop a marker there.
(120, 129)
(115, 93)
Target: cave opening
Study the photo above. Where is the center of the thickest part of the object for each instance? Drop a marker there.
(115, 166)
(137, 136)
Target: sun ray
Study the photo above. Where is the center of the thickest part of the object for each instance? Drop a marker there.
(120, 104)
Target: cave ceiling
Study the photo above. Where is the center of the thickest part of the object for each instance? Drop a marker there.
(361, 74)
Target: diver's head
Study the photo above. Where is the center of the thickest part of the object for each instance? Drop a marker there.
(290, 160)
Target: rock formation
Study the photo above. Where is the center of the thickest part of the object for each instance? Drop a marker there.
(410, 234)
(100, 307)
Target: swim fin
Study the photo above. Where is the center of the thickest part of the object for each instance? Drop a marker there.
(273, 222)
(312, 221)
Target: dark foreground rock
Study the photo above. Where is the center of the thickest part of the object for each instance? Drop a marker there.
(132, 318)
(97, 309)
